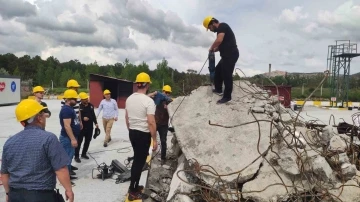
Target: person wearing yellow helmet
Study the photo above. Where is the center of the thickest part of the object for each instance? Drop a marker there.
(70, 126)
(74, 85)
(140, 121)
(225, 43)
(162, 119)
(88, 120)
(33, 158)
(110, 114)
(38, 92)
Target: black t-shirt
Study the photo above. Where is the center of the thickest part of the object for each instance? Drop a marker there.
(228, 44)
(88, 111)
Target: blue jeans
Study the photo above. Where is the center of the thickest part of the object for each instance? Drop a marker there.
(66, 143)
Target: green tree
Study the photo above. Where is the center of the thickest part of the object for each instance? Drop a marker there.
(64, 77)
(111, 72)
(4, 72)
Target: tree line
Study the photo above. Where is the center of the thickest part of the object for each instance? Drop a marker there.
(53, 72)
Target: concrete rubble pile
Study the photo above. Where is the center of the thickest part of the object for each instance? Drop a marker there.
(251, 148)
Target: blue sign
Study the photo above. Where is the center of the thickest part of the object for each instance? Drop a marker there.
(13, 86)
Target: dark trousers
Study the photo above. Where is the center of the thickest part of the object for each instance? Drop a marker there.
(23, 195)
(140, 142)
(224, 73)
(163, 130)
(86, 133)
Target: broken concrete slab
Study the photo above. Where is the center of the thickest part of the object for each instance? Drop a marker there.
(267, 185)
(269, 108)
(182, 198)
(348, 192)
(337, 144)
(227, 150)
(179, 184)
(327, 133)
(288, 161)
(258, 110)
(260, 103)
(348, 171)
(340, 159)
(321, 168)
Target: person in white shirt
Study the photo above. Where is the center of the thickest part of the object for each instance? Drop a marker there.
(140, 121)
(110, 114)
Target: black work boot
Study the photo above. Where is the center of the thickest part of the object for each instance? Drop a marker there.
(77, 160)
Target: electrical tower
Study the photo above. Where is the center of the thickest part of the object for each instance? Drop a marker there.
(338, 63)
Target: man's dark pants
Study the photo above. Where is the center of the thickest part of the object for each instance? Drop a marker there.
(140, 142)
(224, 73)
(86, 133)
(21, 195)
(163, 130)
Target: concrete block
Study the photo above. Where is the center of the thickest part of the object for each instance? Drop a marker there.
(225, 149)
(337, 144)
(176, 183)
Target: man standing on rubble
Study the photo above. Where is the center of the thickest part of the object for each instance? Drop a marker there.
(38, 92)
(162, 117)
(110, 114)
(33, 158)
(70, 126)
(88, 121)
(140, 121)
(226, 44)
(74, 85)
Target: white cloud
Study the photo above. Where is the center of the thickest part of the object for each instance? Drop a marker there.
(292, 16)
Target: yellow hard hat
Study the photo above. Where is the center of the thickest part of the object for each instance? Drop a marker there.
(106, 92)
(38, 89)
(27, 108)
(207, 21)
(83, 95)
(70, 94)
(72, 83)
(167, 88)
(143, 78)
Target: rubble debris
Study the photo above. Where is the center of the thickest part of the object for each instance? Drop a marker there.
(215, 146)
(348, 171)
(258, 110)
(348, 192)
(340, 159)
(321, 168)
(252, 148)
(327, 133)
(288, 162)
(337, 145)
(178, 184)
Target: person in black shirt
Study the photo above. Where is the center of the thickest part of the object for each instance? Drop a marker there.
(225, 43)
(38, 92)
(88, 118)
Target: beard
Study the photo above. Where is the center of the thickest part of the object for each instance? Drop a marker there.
(73, 104)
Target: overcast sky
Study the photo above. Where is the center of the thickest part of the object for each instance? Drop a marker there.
(292, 35)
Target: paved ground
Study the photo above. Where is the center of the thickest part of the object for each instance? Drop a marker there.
(323, 115)
(86, 188)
